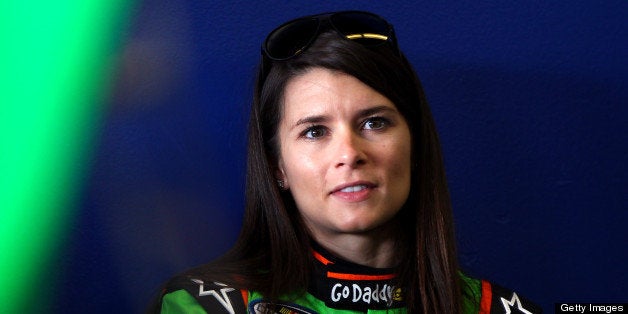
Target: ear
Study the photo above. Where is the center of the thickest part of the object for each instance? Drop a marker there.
(280, 176)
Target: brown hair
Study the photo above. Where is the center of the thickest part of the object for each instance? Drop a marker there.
(273, 255)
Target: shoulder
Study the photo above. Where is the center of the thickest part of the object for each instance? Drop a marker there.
(488, 297)
(189, 294)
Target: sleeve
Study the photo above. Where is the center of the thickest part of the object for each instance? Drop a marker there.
(191, 295)
(180, 302)
(499, 300)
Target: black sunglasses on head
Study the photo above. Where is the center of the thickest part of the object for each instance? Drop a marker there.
(293, 37)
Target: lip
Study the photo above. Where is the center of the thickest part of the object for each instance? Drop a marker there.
(362, 191)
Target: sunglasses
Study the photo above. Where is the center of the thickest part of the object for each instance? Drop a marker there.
(291, 38)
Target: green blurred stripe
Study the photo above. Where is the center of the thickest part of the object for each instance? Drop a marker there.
(56, 62)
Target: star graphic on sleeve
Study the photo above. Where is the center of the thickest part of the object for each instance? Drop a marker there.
(223, 298)
(515, 300)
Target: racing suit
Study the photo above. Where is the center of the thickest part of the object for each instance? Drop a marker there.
(338, 287)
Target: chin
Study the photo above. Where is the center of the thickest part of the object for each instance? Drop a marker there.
(358, 226)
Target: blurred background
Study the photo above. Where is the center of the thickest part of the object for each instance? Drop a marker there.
(530, 99)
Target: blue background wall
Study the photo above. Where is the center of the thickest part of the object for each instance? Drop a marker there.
(530, 101)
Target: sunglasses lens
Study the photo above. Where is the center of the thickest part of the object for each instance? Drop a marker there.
(366, 29)
(291, 38)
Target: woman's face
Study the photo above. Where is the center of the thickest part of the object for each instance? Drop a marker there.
(344, 153)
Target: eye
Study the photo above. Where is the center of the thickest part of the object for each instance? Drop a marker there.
(314, 132)
(376, 123)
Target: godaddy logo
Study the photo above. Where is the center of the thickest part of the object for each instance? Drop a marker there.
(365, 294)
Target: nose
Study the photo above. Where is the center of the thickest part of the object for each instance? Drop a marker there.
(350, 150)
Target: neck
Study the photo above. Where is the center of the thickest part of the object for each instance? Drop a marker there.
(374, 248)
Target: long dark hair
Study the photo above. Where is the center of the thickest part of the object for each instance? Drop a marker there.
(273, 254)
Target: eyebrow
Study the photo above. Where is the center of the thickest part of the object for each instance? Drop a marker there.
(310, 120)
(362, 113)
(377, 109)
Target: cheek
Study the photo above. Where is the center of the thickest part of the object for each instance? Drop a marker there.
(400, 165)
(400, 169)
(406, 158)
(401, 174)
(300, 167)
(399, 154)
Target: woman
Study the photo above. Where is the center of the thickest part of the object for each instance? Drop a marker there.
(347, 207)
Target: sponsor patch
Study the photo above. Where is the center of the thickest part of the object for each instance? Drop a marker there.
(364, 293)
(264, 307)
